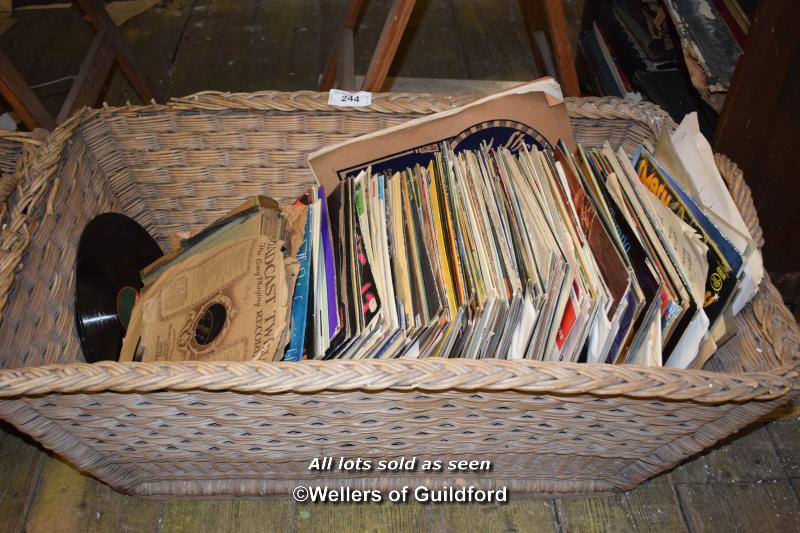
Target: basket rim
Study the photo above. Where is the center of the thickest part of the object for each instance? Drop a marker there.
(22, 137)
(40, 181)
(432, 375)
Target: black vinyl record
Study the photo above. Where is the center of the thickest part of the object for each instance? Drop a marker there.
(112, 250)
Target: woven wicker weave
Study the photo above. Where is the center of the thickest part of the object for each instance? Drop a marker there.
(16, 149)
(252, 428)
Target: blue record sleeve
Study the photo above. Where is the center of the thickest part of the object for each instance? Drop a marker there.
(300, 299)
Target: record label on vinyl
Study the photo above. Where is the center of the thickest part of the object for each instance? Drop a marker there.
(112, 250)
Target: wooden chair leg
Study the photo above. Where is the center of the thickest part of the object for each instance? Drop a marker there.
(21, 98)
(350, 19)
(124, 54)
(389, 40)
(565, 63)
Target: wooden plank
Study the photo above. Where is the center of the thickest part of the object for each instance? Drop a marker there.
(26, 43)
(376, 518)
(154, 36)
(429, 48)
(328, 77)
(352, 13)
(786, 438)
(284, 32)
(345, 61)
(535, 24)
(749, 456)
(650, 507)
(653, 506)
(209, 56)
(534, 17)
(725, 507)
(20, 463)
(758, 128)
(245, 516)
(594, 514)
(695, 470)
(367, 32)
(68, 501)
(21, 98)
(501, 26)
(126, 59)
(492, 39)
(520, 514)
(562, 50)
(32, 34)
(91, 77)
(63, 56)
(264, 55)
(444, 86)
(350, 21)
(384, 53)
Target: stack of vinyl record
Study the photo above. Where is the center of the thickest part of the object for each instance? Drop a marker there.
(484, 231)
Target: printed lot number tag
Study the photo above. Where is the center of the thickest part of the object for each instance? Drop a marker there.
(348, 99)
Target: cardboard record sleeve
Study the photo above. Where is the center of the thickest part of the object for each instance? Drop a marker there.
(229, 303)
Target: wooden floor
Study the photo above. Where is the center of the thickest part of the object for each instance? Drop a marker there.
(749, 484)
(249, 45)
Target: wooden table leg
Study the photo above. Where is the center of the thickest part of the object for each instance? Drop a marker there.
(389, 40)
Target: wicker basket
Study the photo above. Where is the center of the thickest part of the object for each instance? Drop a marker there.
(204, 429)
(16, 149)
